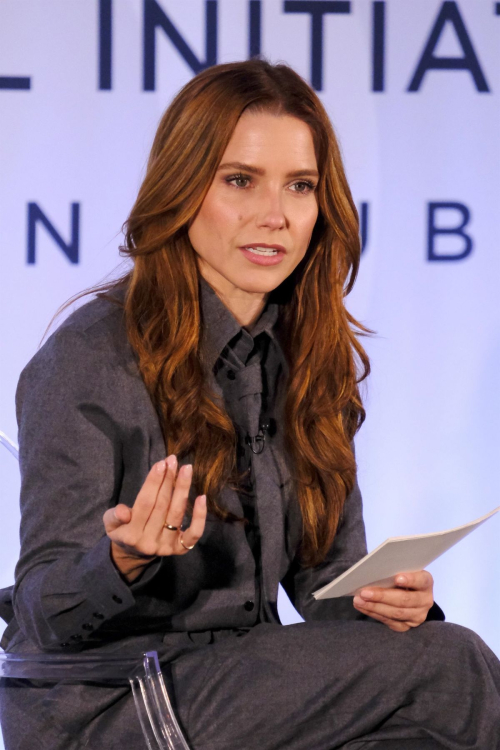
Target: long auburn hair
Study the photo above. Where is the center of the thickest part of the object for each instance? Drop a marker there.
(322, 408)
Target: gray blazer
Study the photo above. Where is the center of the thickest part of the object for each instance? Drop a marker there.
(88, 436)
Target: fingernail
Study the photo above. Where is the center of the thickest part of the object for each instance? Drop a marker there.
(172, 461)
(203, 499)
(187, 470)
(401, 579)
(367, 594)
(160, 467)
(358, 601)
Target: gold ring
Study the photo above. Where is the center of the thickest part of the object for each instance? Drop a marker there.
(184, 545)
(171, 528)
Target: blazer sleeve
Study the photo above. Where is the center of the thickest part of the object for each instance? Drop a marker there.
(66, 585)
(348, 547)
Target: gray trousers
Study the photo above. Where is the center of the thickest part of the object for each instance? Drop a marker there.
(312, 686)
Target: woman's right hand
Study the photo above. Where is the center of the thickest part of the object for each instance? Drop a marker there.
(139, 534)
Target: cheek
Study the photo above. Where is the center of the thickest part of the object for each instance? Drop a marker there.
(204, 232)
(228, 210)
(218, 216)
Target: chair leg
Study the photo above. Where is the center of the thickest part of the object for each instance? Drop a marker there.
(159, 724)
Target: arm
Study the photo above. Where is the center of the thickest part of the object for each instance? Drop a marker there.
(348, 547)
(67, 586)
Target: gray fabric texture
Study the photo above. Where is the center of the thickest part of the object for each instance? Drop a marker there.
(88, 436)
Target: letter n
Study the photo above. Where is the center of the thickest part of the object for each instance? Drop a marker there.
(70, 249)
(155, 16)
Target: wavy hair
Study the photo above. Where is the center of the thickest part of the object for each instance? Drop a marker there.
(320, 339)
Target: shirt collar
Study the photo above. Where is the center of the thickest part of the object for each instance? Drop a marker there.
(219, 326)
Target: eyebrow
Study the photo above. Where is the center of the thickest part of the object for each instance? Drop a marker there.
(259, 171)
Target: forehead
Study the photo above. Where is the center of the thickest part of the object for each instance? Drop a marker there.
(280, 139)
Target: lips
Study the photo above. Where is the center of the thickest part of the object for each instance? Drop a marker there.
(264, 245)
(266, 258)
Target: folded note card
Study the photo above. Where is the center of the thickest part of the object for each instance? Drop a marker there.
(403, 554)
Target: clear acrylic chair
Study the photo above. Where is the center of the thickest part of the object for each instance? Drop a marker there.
(154, 708)
(156, 715)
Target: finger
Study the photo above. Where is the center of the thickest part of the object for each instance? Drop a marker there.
(116, 517)
(396, 625)
(401, 598)
(156, 521)
(414, 615)
(195, 531)
(180, 496)
(146, 499)
(420, 580)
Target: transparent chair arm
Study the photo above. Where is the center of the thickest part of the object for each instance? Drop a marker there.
(9, 444)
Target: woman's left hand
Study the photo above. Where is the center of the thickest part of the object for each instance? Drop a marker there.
(402, 607)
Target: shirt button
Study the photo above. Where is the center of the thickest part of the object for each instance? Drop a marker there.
(87, 626)
(117, 599)
(249, 605)
(98, 616)
(231, 375)
(65, 644)
(76, 637)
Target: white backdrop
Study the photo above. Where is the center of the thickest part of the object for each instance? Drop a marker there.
(412, 87)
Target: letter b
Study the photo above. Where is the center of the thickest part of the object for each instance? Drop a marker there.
(434, 231)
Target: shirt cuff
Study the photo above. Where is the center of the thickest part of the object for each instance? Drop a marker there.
(435, 613)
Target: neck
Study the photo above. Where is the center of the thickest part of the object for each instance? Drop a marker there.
(245, 306)
(246, 310)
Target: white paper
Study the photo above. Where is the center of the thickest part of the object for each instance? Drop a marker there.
(403, 554)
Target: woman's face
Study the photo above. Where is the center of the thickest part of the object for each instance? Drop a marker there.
(263, 196)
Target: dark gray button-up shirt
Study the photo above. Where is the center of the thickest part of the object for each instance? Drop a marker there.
(247, 370)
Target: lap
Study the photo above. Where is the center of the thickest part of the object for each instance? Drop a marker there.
(321, 685)
(313, 686)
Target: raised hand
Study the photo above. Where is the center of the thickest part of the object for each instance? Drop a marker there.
(402, 607)
(152, 527)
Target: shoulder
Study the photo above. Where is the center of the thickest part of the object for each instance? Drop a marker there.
(90, 340)
(99, 322)
(97, 328)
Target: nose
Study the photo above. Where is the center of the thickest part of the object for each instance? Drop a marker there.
(272, 214)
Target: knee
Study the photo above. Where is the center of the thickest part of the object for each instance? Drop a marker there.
(448, 635)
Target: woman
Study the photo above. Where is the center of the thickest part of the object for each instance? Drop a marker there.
(228, 349)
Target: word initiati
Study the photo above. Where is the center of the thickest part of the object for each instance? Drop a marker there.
(155, 17)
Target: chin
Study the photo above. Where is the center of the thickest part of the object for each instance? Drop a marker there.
(259, 279)
(259, 286)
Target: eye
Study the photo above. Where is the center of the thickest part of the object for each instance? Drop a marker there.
(303, 186)
(239, 180)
